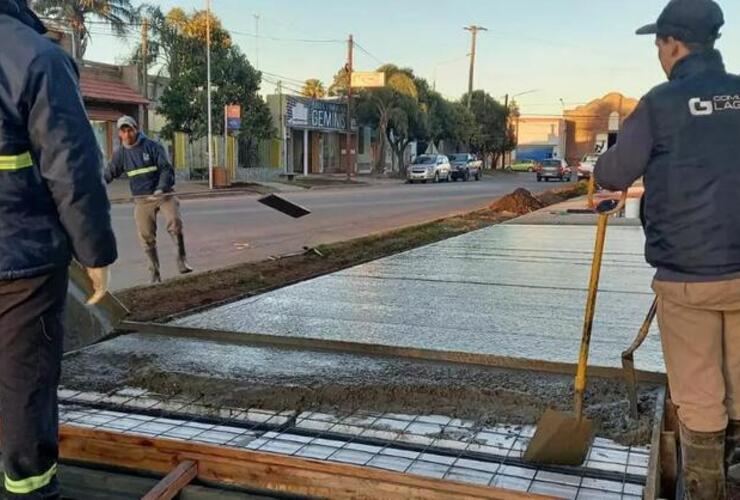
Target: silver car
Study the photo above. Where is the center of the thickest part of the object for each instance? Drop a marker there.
(435, 168)
(553, 168)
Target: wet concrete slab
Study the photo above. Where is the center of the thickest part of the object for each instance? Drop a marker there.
(177, 373)
(510, 290)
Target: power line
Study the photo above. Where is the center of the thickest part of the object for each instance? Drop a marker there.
(280, 39)
(366, 52)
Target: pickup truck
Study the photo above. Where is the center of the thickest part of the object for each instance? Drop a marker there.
(464, 166)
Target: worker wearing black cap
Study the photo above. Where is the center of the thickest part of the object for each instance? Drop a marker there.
(684, 140)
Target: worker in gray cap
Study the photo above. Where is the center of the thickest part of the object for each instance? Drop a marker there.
(152, 181)
(684, 140)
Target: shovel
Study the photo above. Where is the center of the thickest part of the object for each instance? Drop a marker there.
(628, 359)
(564, 438)
(85, 324)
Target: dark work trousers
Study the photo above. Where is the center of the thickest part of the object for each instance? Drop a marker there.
(31, 336)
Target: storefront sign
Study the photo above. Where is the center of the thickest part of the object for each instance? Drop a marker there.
(315, 114)
(233, 117)
(368, 79)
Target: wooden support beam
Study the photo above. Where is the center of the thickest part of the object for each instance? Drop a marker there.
(264, 471)
(174, 482)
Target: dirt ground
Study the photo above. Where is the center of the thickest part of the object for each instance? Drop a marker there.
(161, 302)
(232, 376)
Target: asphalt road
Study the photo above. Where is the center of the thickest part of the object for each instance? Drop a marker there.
(230, 230)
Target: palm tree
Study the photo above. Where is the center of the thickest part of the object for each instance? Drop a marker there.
(314, 89)
(76, 14)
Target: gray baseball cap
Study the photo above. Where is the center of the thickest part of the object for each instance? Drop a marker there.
(126, 121)
(690, 21)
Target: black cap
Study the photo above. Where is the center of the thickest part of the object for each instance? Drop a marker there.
(690, 21)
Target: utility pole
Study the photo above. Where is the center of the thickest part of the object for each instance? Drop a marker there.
(507, 154)
(145, 67)
(473, 29)
(257, 40)
(208, 92)
(283, 149)
(350, 69)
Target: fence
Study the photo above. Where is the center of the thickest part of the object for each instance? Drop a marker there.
(247, 161)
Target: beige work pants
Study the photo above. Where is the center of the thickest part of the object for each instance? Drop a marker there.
(700, 331)
(145, 214)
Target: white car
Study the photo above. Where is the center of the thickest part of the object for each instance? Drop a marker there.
(435, 168)
(586, 167)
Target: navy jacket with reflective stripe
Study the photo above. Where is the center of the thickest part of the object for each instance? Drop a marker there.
(56, 207)
(145, 164)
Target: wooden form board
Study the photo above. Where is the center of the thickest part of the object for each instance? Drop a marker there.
(250, 469)
(285, 342)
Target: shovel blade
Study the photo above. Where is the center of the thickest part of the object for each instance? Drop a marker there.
(86, 325)
(282, 205)
(560, 439)
(630, 379)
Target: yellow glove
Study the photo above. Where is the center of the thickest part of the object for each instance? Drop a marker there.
(100, 278)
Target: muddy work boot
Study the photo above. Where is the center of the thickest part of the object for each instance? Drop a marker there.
(732, 459)
(703, 465)
(182, 263)
(153, 257)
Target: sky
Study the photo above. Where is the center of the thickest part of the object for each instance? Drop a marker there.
(568, 52)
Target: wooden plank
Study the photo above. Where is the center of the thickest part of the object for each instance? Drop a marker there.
(668, 464)
(653, 480)
(279, 341)
(671, 416)
(264, 471)
(174, 482)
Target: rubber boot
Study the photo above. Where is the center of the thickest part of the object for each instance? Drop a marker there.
(732, 459)
(153, 257)
(182, 263)
(703, 465)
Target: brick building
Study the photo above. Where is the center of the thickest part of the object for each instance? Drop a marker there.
(595, 126)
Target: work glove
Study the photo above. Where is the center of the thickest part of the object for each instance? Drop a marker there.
(156, 195)
(100, 278)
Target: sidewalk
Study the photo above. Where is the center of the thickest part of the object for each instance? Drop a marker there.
(118, 190)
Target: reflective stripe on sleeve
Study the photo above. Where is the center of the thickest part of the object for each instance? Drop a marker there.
(141, 171)
(16, 162)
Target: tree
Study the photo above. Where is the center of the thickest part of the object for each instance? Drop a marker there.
(378, 105)
(314, 89)
(76, 14)
(408, 122)
(181, 45)
(493, 135)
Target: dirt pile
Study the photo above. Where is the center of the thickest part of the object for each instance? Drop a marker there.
(559, 195)
(519, 202)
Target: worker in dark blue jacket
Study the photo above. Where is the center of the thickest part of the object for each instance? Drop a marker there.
(152, 180)
(683, 139)
(53, 206)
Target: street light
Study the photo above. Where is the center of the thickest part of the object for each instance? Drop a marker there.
(208, 93)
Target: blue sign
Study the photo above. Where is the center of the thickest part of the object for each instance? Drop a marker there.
(234, 123)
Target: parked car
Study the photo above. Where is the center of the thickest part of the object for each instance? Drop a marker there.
(464, 166)
(554, 169)
(586, 167)
(425, 168)
(523, 166)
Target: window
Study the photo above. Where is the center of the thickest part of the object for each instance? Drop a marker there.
(100, 128)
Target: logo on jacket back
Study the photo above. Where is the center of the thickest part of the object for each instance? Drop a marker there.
(146, 157)
(719, 103)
